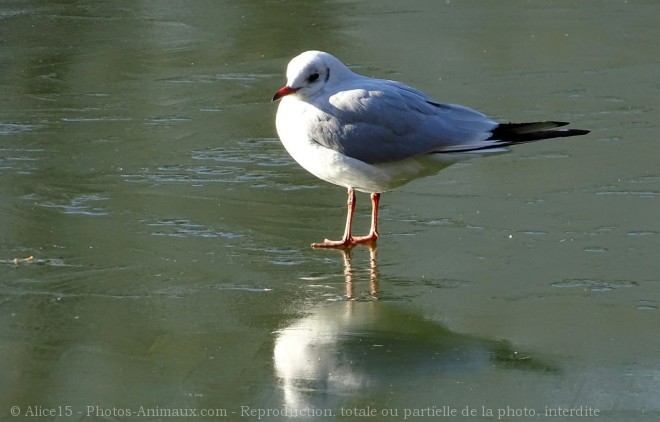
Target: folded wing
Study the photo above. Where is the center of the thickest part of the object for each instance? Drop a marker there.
(384, 121)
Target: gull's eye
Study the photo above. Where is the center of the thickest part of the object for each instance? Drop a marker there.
(313, 77)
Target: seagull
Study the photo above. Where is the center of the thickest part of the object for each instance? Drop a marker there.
(374, 135)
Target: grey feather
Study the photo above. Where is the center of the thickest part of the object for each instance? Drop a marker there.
(378, 123)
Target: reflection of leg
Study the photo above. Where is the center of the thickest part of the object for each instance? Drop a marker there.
(348, 272)
(373, 271)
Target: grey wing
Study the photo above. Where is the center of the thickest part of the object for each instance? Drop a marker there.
(385, 121)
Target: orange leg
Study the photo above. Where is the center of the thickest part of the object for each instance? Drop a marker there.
(373, 232)
(348, 241)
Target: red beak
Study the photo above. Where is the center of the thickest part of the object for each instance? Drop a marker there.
(282, 92)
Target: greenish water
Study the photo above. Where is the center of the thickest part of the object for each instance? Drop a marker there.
(154, 241)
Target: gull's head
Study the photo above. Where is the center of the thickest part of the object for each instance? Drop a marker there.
(311, 72)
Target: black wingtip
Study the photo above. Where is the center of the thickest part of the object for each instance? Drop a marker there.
(578, 132)
(518, 133)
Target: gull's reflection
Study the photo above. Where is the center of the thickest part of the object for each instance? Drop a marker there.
(344, 347)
